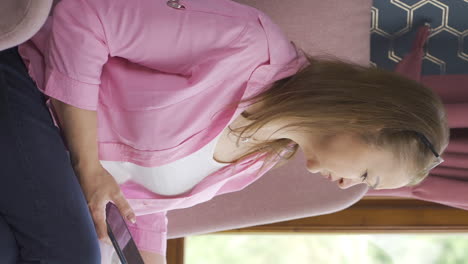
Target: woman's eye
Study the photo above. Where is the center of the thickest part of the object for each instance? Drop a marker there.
(364, 177)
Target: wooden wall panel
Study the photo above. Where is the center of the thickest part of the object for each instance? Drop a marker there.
(175, 251)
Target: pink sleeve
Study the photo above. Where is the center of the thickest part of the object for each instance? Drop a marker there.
(150, 232)
(76, 54)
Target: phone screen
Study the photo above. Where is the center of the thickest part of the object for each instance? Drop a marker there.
(121, 237)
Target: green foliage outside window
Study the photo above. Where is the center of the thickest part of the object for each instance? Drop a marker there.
(328, 249)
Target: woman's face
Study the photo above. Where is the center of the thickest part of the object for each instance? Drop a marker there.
(345, 159)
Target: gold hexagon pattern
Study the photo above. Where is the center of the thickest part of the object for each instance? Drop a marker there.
(449, 25)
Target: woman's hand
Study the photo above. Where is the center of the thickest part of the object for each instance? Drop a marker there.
(99, 188)
(79, 127)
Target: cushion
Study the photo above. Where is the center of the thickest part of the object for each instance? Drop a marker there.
(20, 20)
(337, 28)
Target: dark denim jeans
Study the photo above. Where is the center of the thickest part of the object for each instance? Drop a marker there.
(44, 217)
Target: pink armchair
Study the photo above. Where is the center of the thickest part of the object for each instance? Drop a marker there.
(333, 28)
(323, 28)
(20, 20)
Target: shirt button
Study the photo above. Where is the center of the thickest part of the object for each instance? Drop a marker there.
(175, 4)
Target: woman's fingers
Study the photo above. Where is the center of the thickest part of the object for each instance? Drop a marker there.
(124, 207)
(100, 188)
(98, 212)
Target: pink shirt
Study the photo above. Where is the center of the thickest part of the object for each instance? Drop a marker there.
(159, 78)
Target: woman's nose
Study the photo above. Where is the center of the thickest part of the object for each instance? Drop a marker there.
(346, 183)
(313, 166)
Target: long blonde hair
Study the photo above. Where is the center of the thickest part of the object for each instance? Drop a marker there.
(332, 97)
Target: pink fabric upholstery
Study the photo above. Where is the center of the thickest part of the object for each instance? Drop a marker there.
(448, 183)
(20, 20)
(334, 28)
(285, 193)
(323, 28)
(411, 65)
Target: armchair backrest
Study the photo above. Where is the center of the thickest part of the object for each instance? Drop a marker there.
(21, 19)
(331, 28)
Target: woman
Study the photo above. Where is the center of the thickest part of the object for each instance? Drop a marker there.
(166, 104)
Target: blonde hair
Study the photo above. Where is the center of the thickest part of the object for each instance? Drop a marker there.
(332, 97)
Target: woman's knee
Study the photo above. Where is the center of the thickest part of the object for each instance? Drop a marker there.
(83, 248)
(90, 253)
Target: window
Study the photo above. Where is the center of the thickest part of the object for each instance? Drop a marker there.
(327, 249)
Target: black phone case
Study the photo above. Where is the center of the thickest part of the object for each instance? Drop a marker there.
(130, 254)
(116, 245)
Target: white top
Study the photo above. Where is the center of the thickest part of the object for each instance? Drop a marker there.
(170, 179)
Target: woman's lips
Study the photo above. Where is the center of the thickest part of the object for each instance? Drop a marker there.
(329, 177)
(326, 175)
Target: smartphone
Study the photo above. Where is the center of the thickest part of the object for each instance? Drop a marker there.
(121, 237)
